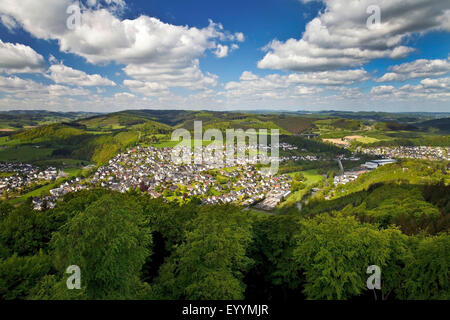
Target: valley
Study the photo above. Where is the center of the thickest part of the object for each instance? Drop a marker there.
(345, 182)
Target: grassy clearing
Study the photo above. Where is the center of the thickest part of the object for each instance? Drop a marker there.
(171, 144)
(164, 144)
(367, 140)
(312, 177)
(6, 174)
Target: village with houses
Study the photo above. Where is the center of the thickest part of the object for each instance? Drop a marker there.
(152, 171)
(407, 152)
(241, 181)
(18, 176)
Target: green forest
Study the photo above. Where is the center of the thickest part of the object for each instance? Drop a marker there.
(131, 247)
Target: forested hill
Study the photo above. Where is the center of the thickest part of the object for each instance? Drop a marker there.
(98, 138)
(185, 119)
(19, 119)
(439, 124)
(81, 137)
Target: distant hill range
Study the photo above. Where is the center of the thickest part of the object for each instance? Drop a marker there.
(44, 137)
(439, 124)
(287, 122)
(18, 119)
(404, 117)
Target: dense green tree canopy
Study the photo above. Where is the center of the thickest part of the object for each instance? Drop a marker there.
(129, 246)
(19, 274)
(335, 252)
(210, 263)
(427, 272)
(109, 243)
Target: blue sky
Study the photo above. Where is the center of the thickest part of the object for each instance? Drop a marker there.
(233, 55)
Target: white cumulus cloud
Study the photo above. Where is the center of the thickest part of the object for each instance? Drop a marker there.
(60, 73)
(417, 69)
(339, 37)
(145, 45)
(19, 58)
(221, 51)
